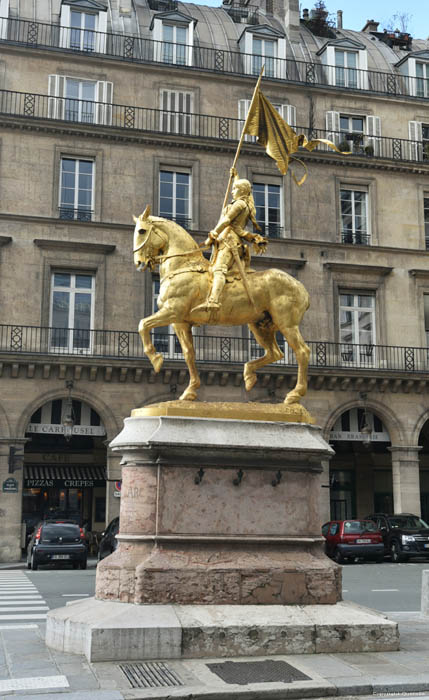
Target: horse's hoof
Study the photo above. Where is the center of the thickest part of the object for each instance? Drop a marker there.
(292, 399)
(250, 381)
(157, 362)
(188, 396)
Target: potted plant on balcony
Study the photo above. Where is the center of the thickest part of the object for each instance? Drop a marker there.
(369, 149)
(344, 146)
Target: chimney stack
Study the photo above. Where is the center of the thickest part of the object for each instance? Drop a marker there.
(339, 19)
(292, 19)
(371, 26)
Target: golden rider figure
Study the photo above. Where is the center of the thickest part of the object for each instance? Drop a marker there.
(228, 237)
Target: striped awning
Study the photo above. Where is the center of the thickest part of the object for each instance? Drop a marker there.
(64, 475)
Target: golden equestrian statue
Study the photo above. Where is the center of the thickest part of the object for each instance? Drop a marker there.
(225, 291)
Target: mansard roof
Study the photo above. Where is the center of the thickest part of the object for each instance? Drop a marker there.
(97, 5)
(174, 17)
(423, 55)
(348, 44)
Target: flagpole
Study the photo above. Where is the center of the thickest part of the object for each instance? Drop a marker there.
(243, 132)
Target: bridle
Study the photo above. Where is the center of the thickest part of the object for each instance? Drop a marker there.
(153, 260)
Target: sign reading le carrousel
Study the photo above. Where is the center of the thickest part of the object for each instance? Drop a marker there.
(10, 485)
(57, 429)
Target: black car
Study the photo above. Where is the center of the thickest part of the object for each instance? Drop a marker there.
(108, 542)
(404, 535)
(57, 541)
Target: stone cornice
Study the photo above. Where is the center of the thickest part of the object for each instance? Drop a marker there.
(4, 240)
(81, 246)
(418, 273)
(380, 270)
(62, 222)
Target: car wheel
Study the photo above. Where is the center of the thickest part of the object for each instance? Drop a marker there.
(83, 564)
(34, 565)
(338, 557)
(396, 554)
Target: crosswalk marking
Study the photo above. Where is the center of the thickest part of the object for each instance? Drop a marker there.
(20, 600)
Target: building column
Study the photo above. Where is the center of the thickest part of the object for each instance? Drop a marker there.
(406, 478)
(11, 499)
(114, 474)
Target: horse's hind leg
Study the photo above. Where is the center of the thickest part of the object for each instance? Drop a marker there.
(302, 354)
(265, 335)
(184, 334)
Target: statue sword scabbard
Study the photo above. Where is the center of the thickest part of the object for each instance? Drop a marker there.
(243, 275)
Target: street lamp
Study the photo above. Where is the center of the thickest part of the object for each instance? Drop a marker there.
(68, 418)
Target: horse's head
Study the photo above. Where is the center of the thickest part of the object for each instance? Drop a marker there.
(148, 241)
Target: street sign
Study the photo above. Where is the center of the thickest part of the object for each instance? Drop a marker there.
(10, 485)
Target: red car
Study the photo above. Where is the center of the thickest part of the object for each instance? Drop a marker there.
(348, 540)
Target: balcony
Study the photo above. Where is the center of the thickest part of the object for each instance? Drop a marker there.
(355, 238)
(52, 37)
(31, 106)
(126, 345)
(69, 214)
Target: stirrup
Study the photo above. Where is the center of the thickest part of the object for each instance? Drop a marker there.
(208, 305)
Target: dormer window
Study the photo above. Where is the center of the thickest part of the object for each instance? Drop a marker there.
(84, 25)
(173, 34)
(263, 45)
(422, 79)
(346, 63)
(4, 14)
(415, 69)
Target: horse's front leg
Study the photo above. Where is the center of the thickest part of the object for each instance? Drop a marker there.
(163, 317)
(184, 333)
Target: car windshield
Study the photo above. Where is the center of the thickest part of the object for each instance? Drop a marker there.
(67, 532)
(409, 522)
(358, 527)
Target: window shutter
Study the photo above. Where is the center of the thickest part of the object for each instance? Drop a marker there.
(243, 108)
(103, 98)
(373, 126)
(289, 112)
(415, 135)
(333, 126)
(100, 44)
(65, 26)
(56, 88)
(4, 14)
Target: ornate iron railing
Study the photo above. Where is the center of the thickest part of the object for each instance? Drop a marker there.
(126, 345)
(133, 48)
(218, 128)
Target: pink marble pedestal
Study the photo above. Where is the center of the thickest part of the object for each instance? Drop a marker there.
(202, 523)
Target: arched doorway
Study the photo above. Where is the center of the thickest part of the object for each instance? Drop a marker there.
(361, 471)
(424, 470)
(65, 465)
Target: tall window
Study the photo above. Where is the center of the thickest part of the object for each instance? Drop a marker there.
(82, 31)
(426, 219)
(422, 79)
(164, 338)
(268, 209)
(357, 327)
(72, 308)
(346, 63)
(76, 189)
(174, 197)
(354, 217)
(174, 44)
(264, 52)
(426, 312)
(80, 99)
(176, 114)
(352, 130)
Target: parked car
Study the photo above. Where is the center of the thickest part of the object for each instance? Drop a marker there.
(57, 541)
(404, 535)
(353, 539)
(108, 542)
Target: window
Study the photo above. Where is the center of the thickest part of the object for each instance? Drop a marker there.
(353, 130)
(76, 189)
(346, 63)
(357, 328)
(426, 313)
(268, 203)
(164, 338)
(74, 99)
(426, 220)
(72, 310)
(174, 40)
(82, 30)
(422, 79)
(80, 98)
(176, 111)
(174, 197)
(4, 14)
(264, 52)
(354, 217)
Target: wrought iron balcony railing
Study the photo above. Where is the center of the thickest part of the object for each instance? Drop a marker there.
(79, 214)
(126, 345)
(355, 238)
(133, 48)
(204, 126)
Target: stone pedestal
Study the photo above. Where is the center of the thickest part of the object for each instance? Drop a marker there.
(221, 512)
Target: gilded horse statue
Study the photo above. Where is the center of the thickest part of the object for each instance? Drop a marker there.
(278, 303)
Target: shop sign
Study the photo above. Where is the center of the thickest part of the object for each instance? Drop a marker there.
(63, 483)
(357, 437)
(56, 429)
(10, 486)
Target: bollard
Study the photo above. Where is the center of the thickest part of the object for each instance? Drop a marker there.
(425, 593)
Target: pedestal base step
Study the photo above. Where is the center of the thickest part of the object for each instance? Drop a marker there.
(111, 631)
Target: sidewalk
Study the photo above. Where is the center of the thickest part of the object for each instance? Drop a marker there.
(27, 667)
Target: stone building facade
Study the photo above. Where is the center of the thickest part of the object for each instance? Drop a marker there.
(109, 105)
